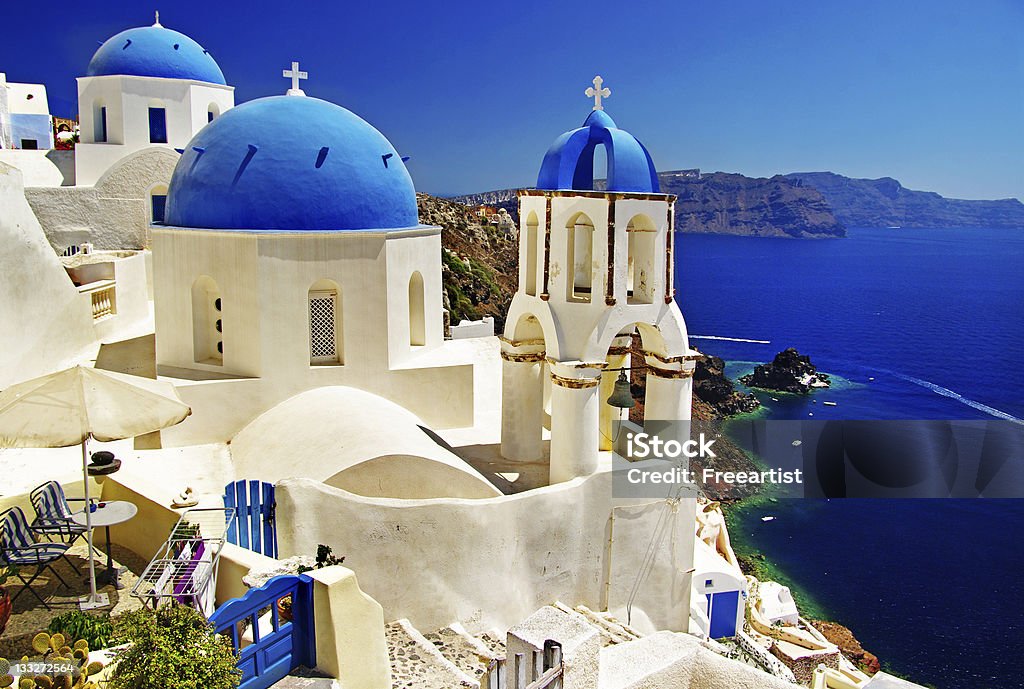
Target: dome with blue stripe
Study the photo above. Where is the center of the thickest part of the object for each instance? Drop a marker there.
(569, 163)
(291, 163)
(153, 51)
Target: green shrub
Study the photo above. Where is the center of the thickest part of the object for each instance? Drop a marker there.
(76, 624)
(171, 648)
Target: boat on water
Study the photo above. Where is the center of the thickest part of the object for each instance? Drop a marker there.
(829, 404)
(894, 227)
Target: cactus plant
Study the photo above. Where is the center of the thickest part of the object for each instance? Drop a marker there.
(68, 657)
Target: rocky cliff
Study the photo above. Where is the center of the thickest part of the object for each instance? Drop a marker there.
(789, 371)
(479, 261)
(885, 202)
(726, 203)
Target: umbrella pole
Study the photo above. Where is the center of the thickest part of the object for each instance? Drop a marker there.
(93, 600)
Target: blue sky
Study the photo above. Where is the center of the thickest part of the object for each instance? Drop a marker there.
(931, 93)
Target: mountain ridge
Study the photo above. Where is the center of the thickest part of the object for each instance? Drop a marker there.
(885, 202)
(803, 204)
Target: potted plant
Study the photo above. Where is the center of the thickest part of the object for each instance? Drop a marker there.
(5, 598)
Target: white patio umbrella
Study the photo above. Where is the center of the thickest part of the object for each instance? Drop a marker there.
(71, 406)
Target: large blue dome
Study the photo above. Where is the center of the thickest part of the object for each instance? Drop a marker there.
(569, 163)
(291, 163)
(153, 51)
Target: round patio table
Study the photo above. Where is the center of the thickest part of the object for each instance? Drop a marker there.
(106, 515)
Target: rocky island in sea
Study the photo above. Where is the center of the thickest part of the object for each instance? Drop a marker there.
(789, 371)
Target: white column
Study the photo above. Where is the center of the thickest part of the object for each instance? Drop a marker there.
(669, 395)
(618, 356)
(522, 402)
(574, 419)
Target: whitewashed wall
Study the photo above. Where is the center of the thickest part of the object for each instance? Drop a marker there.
(492, 562)
(46, 323)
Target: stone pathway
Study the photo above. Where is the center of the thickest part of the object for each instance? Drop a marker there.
(416, 663)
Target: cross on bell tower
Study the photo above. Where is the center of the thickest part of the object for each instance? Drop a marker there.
(597, 93)
(294, 74)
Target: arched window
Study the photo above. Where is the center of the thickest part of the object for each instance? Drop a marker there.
(417, 315)
(579, 258)
(157, 203)
(207, 322)
(99, 122)
(532, 237)
(212, 112)
(642, 274)
(326, 335)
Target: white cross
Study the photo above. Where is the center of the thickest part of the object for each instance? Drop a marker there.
(597, 93)
(294, 74)
(157, 22)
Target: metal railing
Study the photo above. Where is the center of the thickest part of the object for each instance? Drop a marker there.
(540, 669)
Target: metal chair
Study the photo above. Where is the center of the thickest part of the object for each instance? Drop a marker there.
(53, 515)
(19, 549)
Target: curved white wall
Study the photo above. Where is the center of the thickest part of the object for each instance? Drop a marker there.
(356, 441)
(493, 562)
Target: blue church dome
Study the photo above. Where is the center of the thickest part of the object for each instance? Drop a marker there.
(569, 163)
(291, 163)
(153, 51)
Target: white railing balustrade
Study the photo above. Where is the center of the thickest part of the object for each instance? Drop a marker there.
(103, 295)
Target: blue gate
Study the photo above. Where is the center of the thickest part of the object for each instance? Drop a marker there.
(253, 525)
(269, 645)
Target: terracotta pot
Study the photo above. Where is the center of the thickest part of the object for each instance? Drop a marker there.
(5, 608)
(284, 609)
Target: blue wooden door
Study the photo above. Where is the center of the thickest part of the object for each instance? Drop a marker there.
(722, 609)
(253, 524)
(270, 646)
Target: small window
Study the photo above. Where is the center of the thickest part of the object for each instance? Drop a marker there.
(209, 117)
(326, 342)
(708, 583)
(159, 202)
(100, 133)
(158, 125)
(30, 144)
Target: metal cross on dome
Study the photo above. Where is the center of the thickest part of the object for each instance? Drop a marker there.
(597, 93)
(294, 74)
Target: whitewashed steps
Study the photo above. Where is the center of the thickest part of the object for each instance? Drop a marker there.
(416, 663)
(466, 652)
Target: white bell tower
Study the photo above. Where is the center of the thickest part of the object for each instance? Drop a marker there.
(595, 266)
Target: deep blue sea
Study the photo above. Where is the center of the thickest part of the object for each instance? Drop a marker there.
(917, 324)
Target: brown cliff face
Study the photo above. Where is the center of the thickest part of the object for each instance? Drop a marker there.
(479, 261)
(727, 203)
(848, 644)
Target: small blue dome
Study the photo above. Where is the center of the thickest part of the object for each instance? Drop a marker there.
(153, 51)
(291, 163)
(569, 163)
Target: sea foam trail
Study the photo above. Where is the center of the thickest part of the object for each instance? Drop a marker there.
(728, 339)
(946, 392)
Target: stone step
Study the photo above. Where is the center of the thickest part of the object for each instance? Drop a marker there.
(416, 663)
(494, 642)
(465, 651)
(618, 629)
(607, 637)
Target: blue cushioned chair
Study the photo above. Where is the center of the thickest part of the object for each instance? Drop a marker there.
(19, 549)
(53, 515)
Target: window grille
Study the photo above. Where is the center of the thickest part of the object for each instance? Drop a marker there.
(322, 345)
